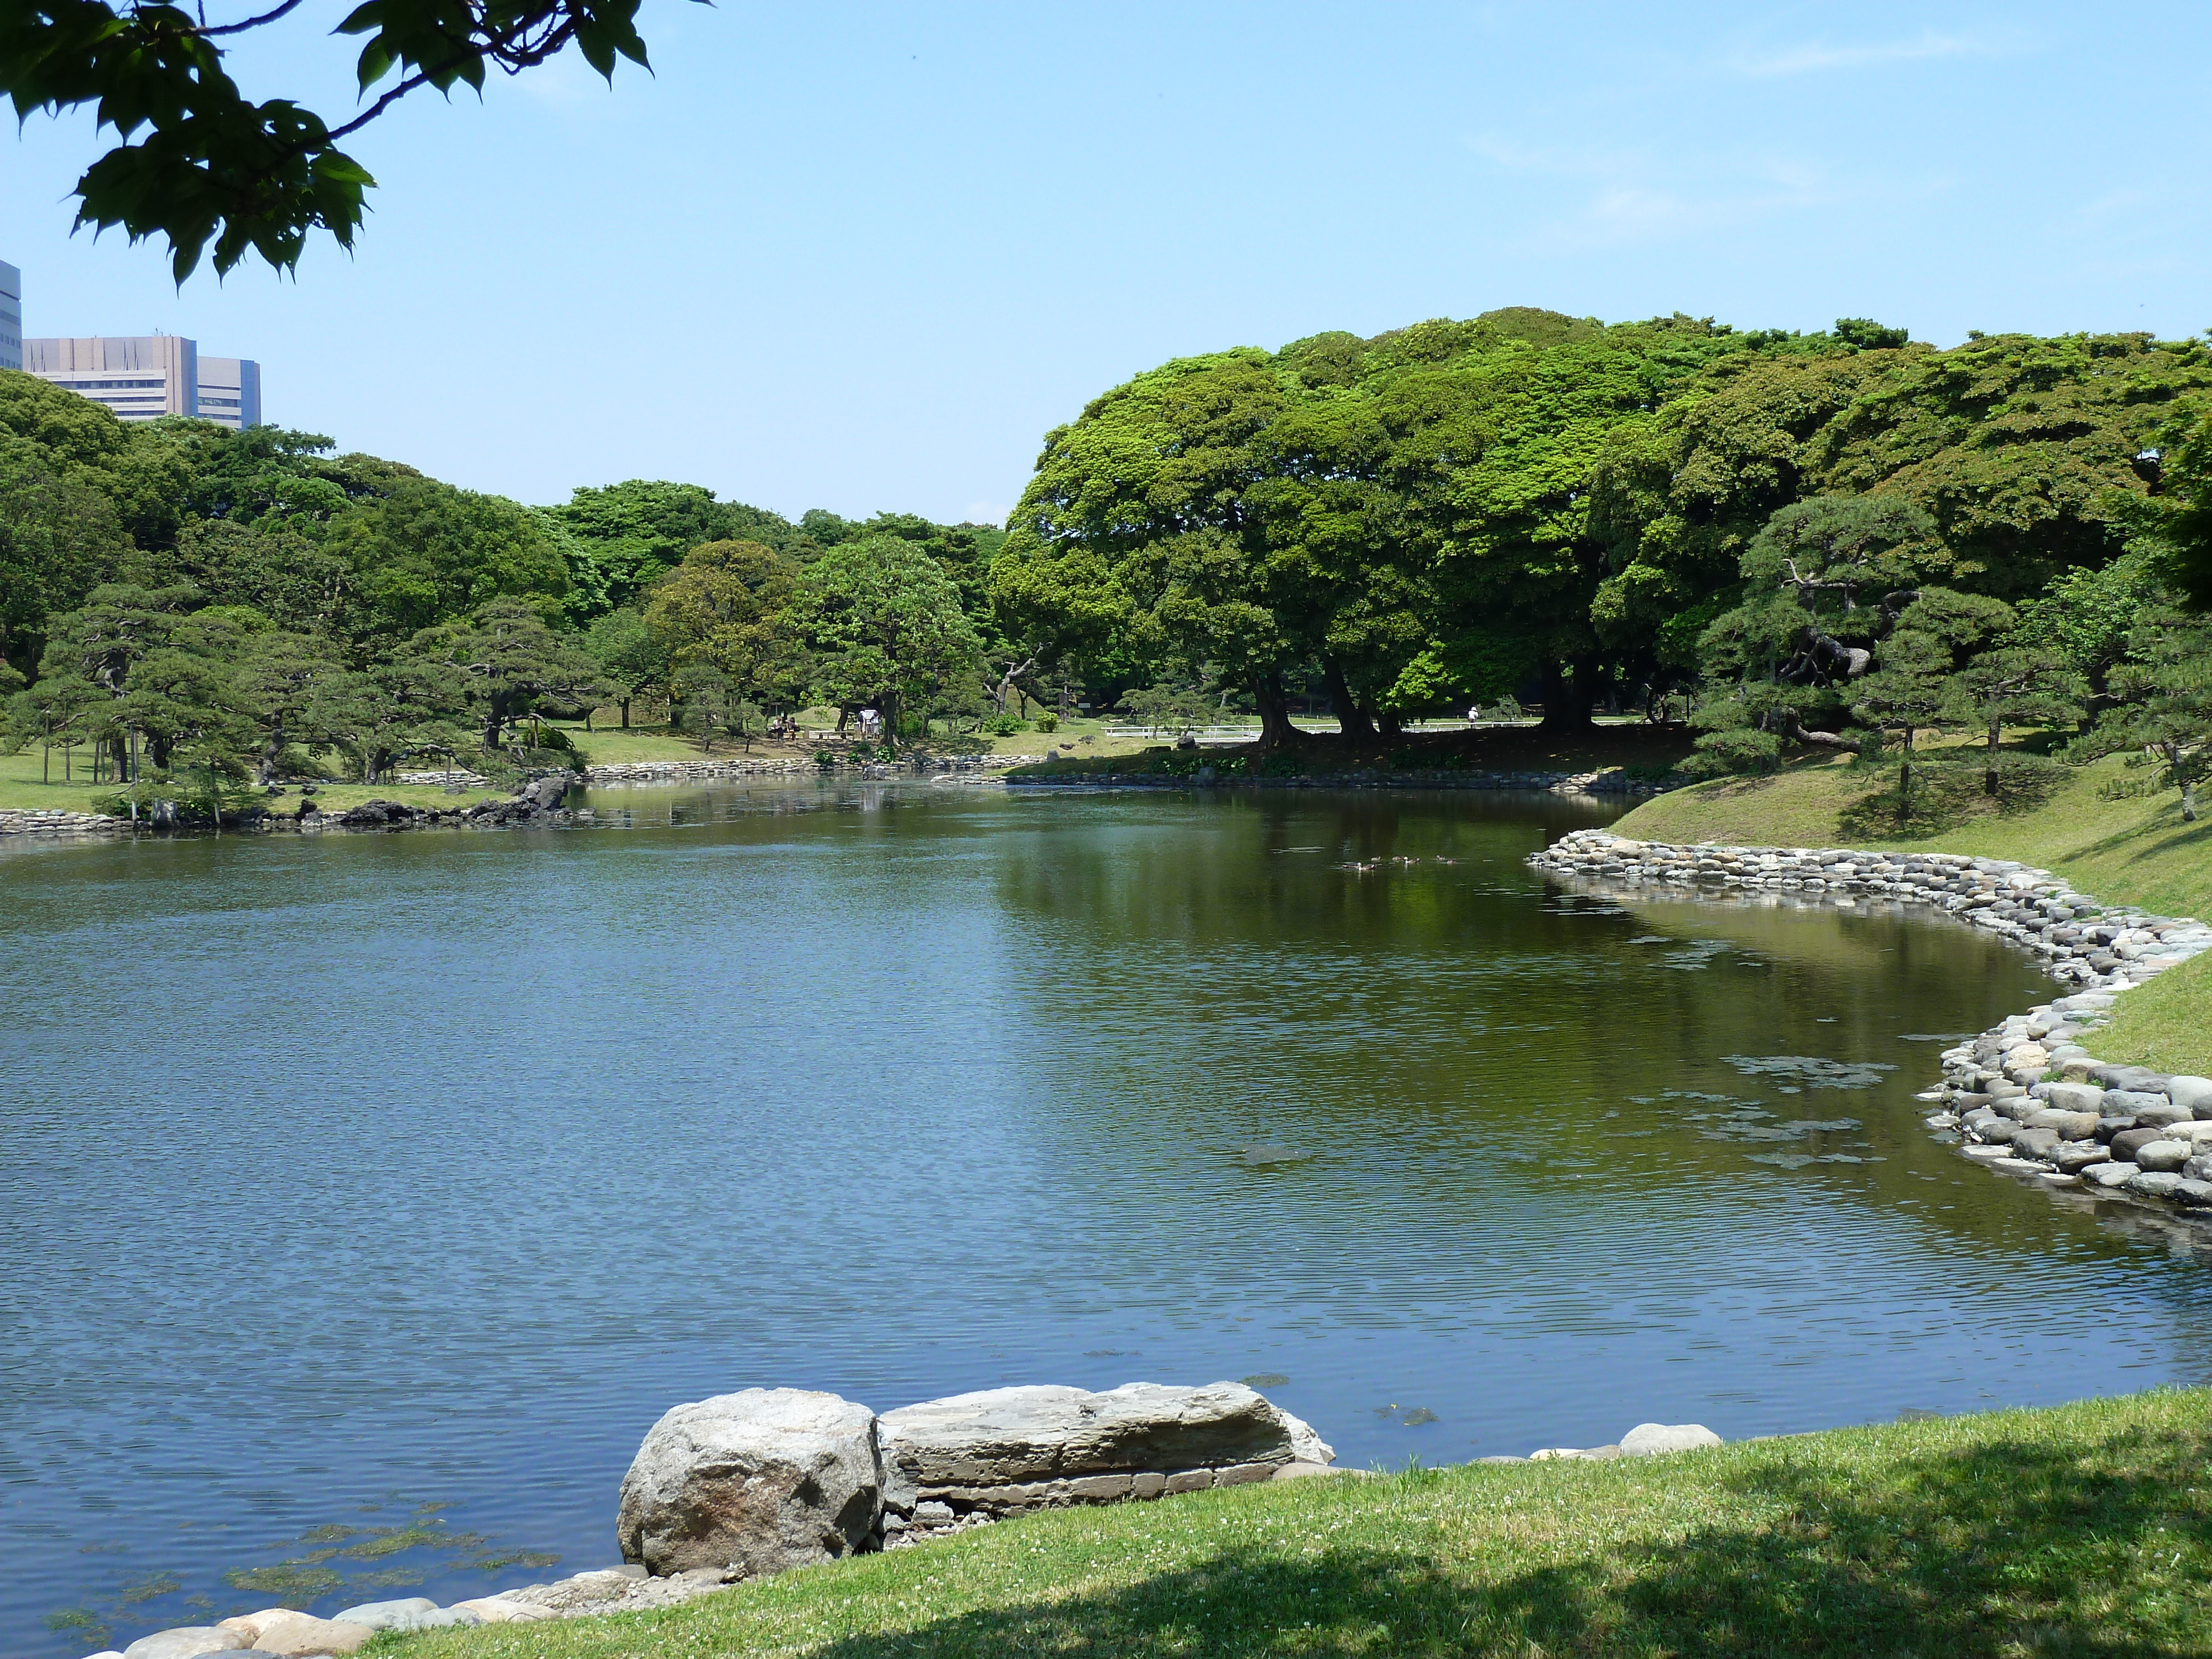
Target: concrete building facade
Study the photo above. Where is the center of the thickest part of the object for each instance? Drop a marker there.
(140, 377)
(230, 392)
(143, 377)
(12, 316)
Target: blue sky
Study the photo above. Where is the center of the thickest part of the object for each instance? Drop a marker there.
(863, 257)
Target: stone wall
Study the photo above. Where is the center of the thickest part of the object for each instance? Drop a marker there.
(2027, 1097)
(14, 821)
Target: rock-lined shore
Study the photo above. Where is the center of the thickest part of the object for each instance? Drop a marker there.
(758, 1482)
(20, 821)
(2027, 1097)
(765, 1479)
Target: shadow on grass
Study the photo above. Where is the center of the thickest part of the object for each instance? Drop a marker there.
(2001, 1549)
(1948, 796)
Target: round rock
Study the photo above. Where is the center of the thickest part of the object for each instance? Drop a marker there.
(760, 1481)
(2163, 1156)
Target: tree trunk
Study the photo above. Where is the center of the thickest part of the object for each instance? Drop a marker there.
(1274, 704)
(625, 708)
(1989, 769)
(1351, 719)
(1904, 779)
(1389, 722)
(1566, 695)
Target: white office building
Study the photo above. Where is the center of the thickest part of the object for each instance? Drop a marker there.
(143, 377)
(230, 392)
(12, 316)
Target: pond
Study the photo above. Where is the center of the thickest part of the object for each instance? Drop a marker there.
(366, 1197)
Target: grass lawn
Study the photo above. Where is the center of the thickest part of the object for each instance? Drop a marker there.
(20, 787)
(2134, 850)
(2083, 1530)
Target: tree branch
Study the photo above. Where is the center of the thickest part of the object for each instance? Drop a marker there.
(205, 31)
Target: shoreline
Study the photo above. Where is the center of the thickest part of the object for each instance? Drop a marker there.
(2024, 1097)
(1601, 781)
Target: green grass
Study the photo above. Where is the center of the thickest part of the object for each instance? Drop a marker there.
(2079, 1531)
(20, 786)
(2134, 849)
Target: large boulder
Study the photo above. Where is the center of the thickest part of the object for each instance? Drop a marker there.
(1064, 1444)
(756, 1482)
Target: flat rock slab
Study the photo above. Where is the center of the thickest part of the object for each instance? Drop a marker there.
(1656, 1439)
(1025, 1437)
(757, 1482)
(186, 1642)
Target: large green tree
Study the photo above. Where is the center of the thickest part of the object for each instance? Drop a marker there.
(725, 606)
(509, 662)
(623, 539)
(884, 626)
(426, 552)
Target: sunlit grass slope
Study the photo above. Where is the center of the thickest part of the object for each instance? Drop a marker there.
(2083, 1530)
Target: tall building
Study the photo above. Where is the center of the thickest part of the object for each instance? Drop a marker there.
(230, 392)
(145, 376)
(12, 316)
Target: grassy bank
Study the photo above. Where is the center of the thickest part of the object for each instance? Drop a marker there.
(2120, 847)
(2085, 1530)
(22, 785)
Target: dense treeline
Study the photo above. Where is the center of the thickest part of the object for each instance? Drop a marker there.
(1837, 540)
(176, 596)
(1808, 539)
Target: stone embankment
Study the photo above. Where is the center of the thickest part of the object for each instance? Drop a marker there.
(766, 1479)
(2027, 1097)
(1609, 780)
(692, 771)
(15, 821)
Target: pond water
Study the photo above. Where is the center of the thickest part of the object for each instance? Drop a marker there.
(364, 1199)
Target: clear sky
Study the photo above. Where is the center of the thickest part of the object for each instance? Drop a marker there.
(863, 257)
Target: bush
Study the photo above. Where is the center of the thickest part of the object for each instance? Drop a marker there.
(1048, 722)
(1737, 749)
(826, 758)
(1005, 725)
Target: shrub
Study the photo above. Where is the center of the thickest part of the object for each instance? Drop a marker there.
(1048, 722)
